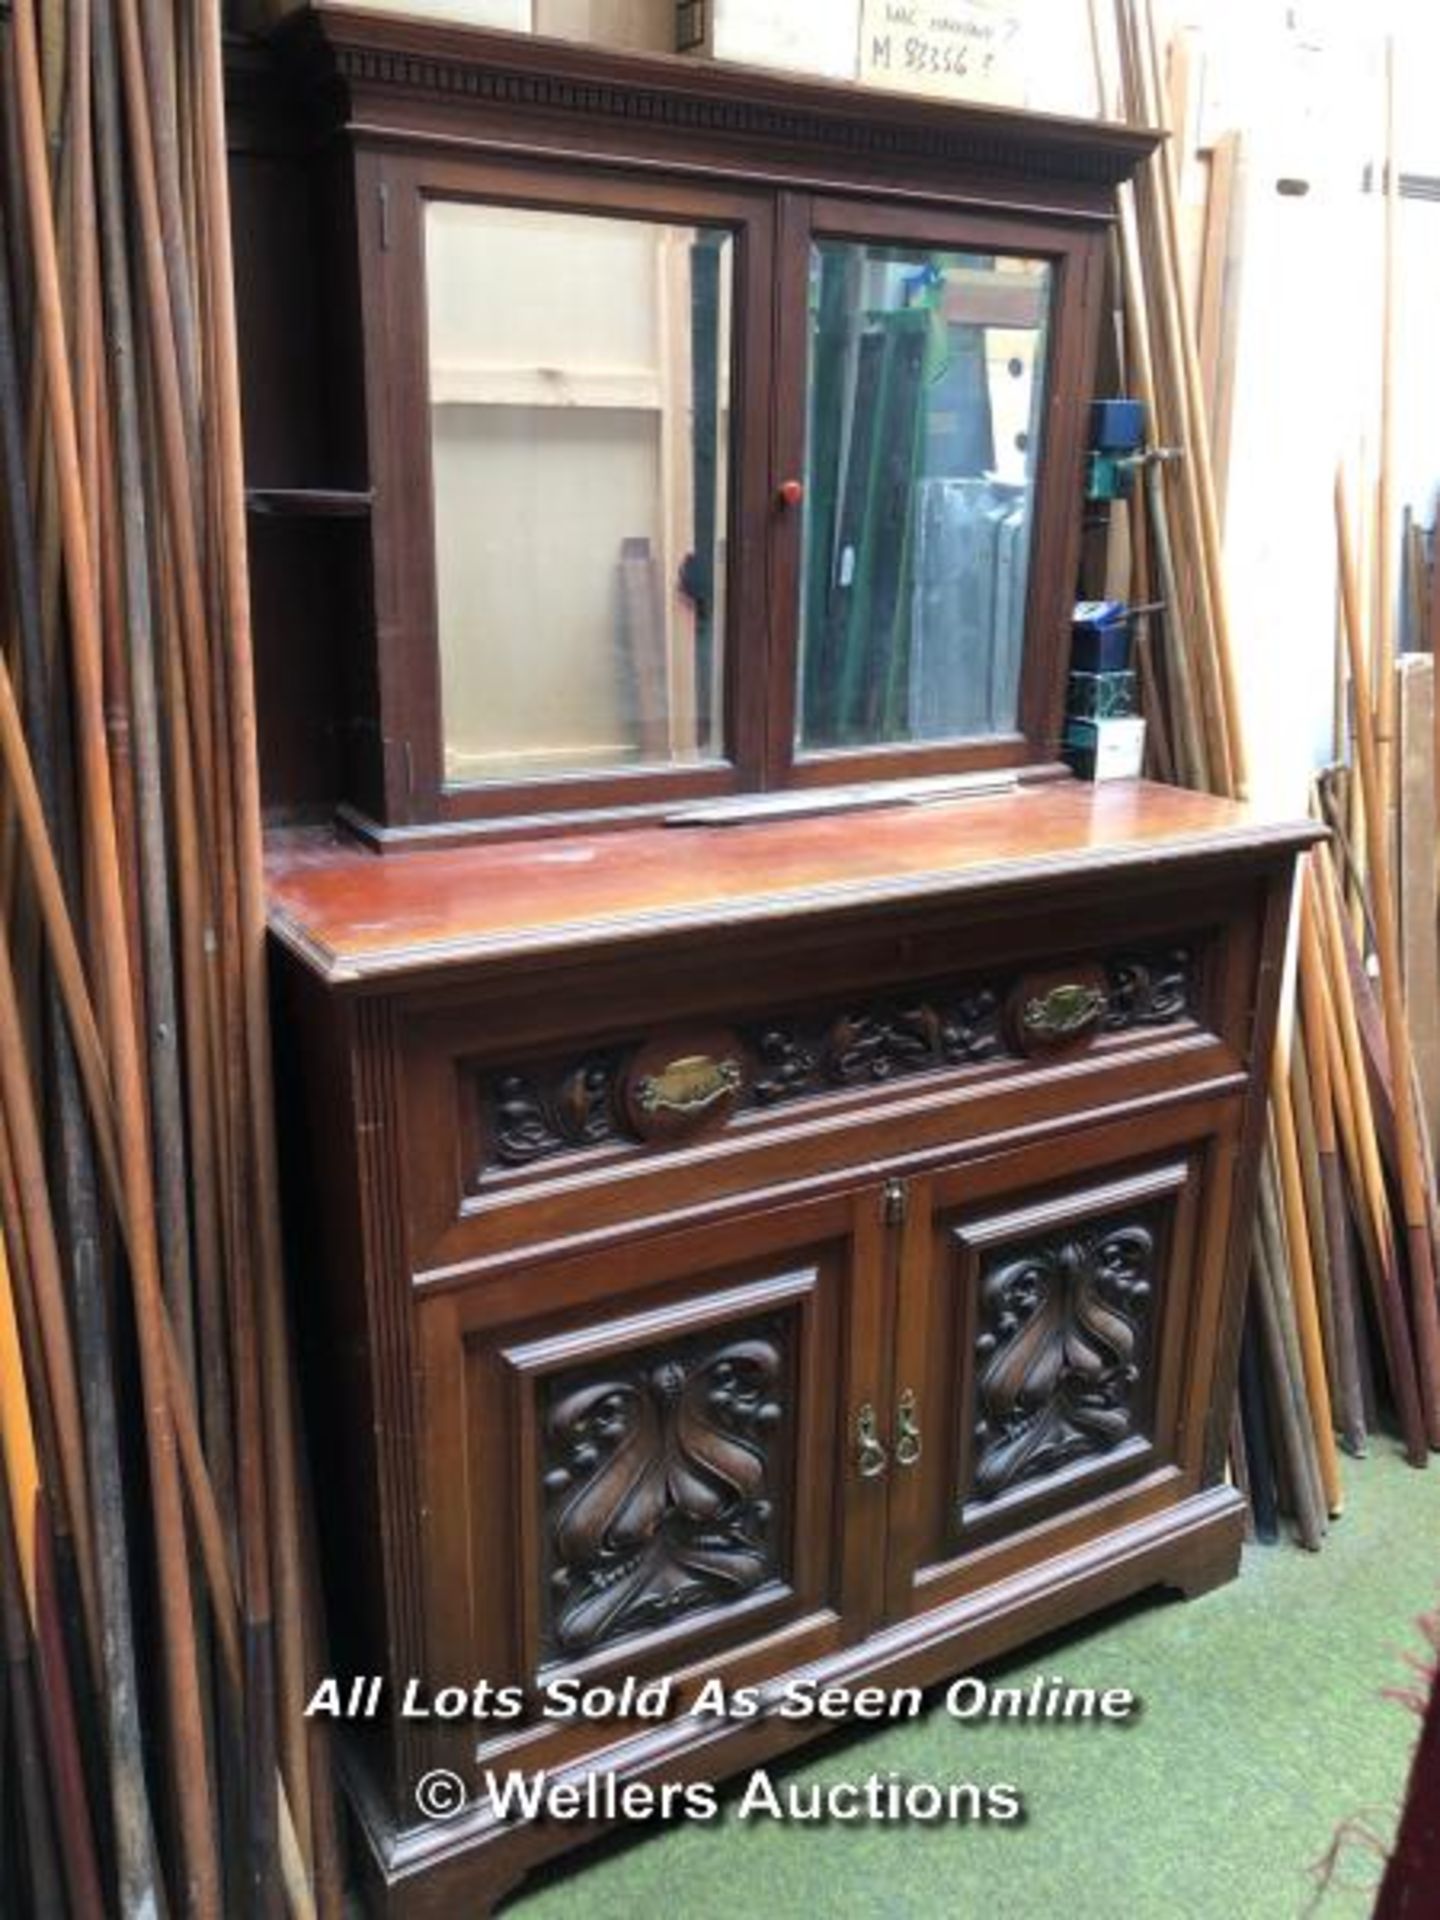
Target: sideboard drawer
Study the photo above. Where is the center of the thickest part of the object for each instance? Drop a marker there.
(898, 1043)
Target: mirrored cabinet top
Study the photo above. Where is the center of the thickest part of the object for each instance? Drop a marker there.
(657, 435)
(579, 372)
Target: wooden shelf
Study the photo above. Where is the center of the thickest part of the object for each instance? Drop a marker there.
(457, 384)
(308, 503)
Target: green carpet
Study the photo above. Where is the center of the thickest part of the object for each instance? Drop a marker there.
(1264, 1728)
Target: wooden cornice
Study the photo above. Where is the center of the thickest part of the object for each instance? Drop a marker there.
(390, 72)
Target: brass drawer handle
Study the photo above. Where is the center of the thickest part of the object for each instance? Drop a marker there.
(872, 1458)
(1063, 1012)
(907, 1437)
(689, 1086)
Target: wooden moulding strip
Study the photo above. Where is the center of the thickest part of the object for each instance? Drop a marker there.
(1413, 1176)
(1415, 674)
(1218, 320)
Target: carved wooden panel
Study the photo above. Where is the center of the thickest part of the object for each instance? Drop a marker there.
(662, 1476)
(1063, 1348)
(535, 1113)
(1064, 1310)
(635, 1455)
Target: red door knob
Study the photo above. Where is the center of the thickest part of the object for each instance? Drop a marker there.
(790, 492)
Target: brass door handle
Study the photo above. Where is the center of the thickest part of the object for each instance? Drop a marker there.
(907, 1431)
(871, 1457)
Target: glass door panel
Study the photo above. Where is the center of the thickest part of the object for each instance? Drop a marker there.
(925, 393)
(579, 373)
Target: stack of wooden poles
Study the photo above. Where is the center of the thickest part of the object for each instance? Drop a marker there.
(158, 1637)
(1342, 1338)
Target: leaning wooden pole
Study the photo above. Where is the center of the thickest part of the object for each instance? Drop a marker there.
(1337, 1237)
(1383, 661)
(282, 1435)
(36, 1817)
(1352, 1102)
(35, 797)
(1432, 646)
(1412, 1172)
(1302, 1275)
(61, 1379)
(1199, 470)
(200, 1885)
(161, 1001)
(26, 1512)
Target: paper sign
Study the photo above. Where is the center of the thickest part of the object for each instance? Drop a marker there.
(808, 36)
(514, 14)
(957, 49)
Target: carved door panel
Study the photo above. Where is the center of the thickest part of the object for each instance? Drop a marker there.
(1056, 1325)
(655, 1446)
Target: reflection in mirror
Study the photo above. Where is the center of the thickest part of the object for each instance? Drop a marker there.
(580, 405)
(926, 378)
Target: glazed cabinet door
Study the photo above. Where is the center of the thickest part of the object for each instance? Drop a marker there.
(642, 1461)
(1057, 1319)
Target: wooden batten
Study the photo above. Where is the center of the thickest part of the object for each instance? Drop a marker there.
(1415, 793)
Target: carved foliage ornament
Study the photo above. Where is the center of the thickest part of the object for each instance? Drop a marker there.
(1149, 990)
(1061, 1348)
(532, 1120)
(660, 1485)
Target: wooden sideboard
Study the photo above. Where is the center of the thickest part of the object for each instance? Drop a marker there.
(734, 1233)
(805, 1246)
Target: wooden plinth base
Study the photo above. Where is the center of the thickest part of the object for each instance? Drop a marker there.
(464, 1866)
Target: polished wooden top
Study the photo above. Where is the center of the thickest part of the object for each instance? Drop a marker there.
(353, 915)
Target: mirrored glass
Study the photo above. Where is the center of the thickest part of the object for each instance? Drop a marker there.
(925, 395)
(579, 373)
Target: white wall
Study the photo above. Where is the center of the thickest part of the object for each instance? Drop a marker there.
(1304, 84)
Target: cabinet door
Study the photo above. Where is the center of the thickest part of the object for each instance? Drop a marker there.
(1057, 1324)
(640, 1461)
